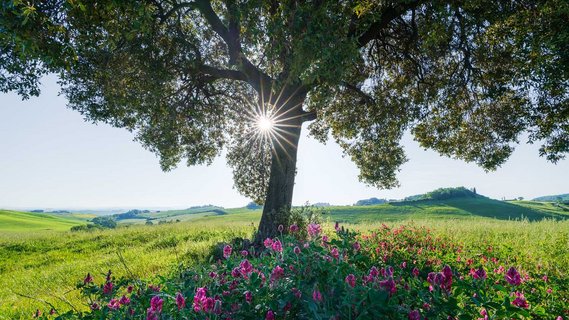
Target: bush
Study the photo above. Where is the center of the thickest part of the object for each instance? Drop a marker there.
(105, 222)
(392, 273)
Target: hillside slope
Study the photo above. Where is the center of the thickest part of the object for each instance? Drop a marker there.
(14, 221)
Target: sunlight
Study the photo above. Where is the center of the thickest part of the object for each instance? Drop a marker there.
(265, 123)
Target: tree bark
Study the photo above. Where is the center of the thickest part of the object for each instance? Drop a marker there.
(278, 200)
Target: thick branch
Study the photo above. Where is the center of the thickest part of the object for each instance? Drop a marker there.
(256, 77)
(388, 15)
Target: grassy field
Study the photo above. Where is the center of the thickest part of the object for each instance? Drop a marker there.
(47, 263)
(15, 221)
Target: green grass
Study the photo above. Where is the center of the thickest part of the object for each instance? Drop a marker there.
(46, 264)
(15, 221)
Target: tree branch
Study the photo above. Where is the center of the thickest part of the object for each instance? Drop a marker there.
(256, 77)
(388, 15)
(223, 73)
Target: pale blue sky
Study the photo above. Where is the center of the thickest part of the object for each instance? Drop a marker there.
(51, 158)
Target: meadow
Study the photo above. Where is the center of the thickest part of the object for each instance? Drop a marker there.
(46, 265)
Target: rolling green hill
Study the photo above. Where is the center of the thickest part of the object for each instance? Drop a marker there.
(554, 198)
(16, 221)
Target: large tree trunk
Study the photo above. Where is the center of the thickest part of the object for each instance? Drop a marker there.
(278, 201)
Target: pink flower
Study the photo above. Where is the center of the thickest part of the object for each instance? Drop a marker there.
(520, 300)
(114, 304)
(208, 304)
(297, 293)
(513, 277)
(293, 228)
(314, 229)
(277, 273)
(277, 246)
(248, 296)
(325, 238)
(180, 301)
(403, 264)
(124, 300)
(246, 267)
(37, 314)
(199, 299)
(227, 251)
(296, 250)
(129, 289)
(415, 272)
(95, 306)
(414, 315)
(334, 252)
(268, 242)
(270, 315)
(351, 280)
(316, 295)
(244, 253)
(108, 288)
(337, 226)
(388, 285)
(88, 279)
(156, 304)
(373, 272)
(357, 246)
(280, 228)
(236, 272)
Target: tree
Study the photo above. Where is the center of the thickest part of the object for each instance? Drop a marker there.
(467, 78)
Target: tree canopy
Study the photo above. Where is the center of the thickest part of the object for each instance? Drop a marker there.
(468, 79)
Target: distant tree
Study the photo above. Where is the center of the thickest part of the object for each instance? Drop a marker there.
(520, 198)
(105, 222)
(450, 193)
(474, 190)
(148, 222)
(253, 206)
(467, 78)
(370, 202)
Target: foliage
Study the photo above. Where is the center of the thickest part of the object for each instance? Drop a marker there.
(450, 193)
(105, 222)
(253, 206)
(370, 202)
(404, 272)
(468, 78)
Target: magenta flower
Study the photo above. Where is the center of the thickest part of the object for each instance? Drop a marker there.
(293, 228)
(337, 226)
(388, 285)
(199, 299)
(248, 296)
(325, 238)
(129, 289)
(114, 304)
(246, 267)
(244, 253)
(314, 229)
(109, 276)
(236, 272)
(415, 272)
(297, 293)
(277, 273)
(124, 300)
(277, 246)
(373, 272)
(520, 301)
(180, 301)
(351, 280)
(334, 252)
(95, 306)
(270, 315)
(268, 243)
(227, 251)
(480, 273)
(108, 288)
(208, 304)
(414, 315)
(316, 295)
(156, 304)
(88, 279)
(357, 246)
(513, 277)
(296, 250)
